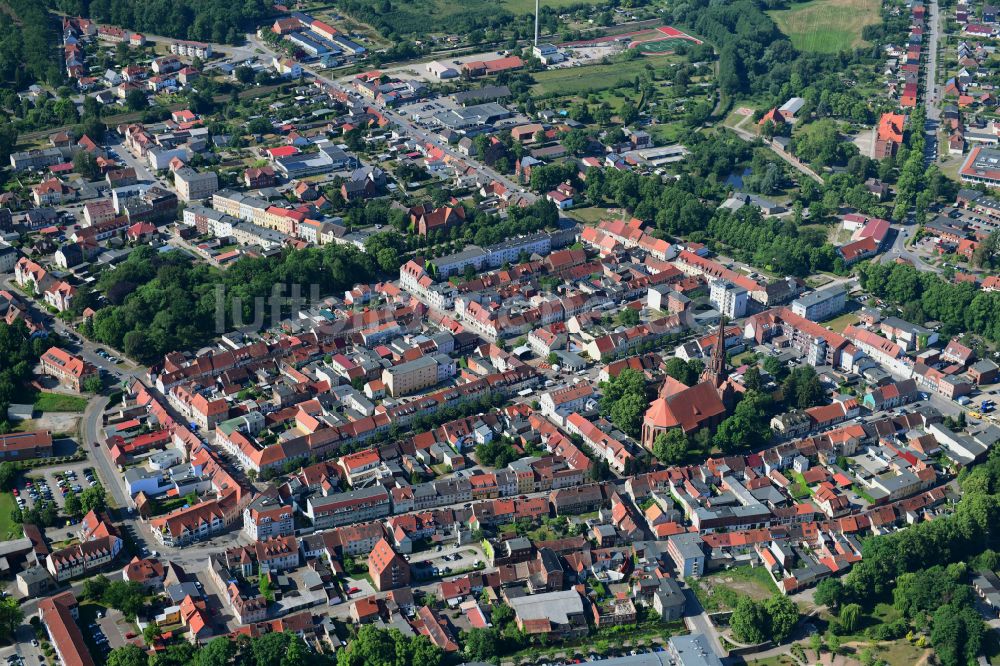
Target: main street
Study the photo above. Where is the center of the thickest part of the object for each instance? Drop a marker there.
(407, 125)
(932, 102)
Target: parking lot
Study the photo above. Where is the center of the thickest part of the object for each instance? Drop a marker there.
(49, 483)
(448, 559)
(105, 630)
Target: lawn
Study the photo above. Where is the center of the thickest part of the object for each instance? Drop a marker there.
(799, 489)
(8, 528)
(591, 214)
(58, 402)
(827, 26)
(780, 660)
(666, 132)
(838, 324)
(721, 590)
(588, 78)
(756, 575)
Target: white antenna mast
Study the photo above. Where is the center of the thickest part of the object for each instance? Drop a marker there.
(536, 22)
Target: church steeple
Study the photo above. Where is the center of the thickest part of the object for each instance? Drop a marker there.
(715, 371)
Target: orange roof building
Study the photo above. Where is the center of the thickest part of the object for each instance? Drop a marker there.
(387, 568)
(680, 406)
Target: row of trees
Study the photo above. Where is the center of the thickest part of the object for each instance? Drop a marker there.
(271, 649)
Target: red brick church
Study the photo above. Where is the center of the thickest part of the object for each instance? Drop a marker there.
(691, 408)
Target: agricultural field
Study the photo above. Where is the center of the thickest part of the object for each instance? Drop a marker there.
(528, 6)
(827, 26)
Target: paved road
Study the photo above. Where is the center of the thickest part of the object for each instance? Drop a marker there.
(898, 250)
(932, 102)
(698, 622)
(408, 126)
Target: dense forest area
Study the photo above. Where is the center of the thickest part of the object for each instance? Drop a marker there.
(29, 45)
(206, 20)
(157, 302)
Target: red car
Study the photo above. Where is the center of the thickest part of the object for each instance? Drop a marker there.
(15, 492)
(354, 590)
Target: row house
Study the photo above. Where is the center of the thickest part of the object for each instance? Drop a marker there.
(82, 558)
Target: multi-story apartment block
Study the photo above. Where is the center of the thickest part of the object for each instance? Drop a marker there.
(345, 508)
(266, 517)
(192, 185)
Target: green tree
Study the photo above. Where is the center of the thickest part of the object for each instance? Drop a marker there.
(8, 476)
(73, 506)
(671, 447)
(850, 618)
(296, 654)
(749, 621)
(627, 413)
(829, 592)
(85, 164)
(93, 384)
(127, 655)
(135, 100)
(129, 597)
(94, 498)
(957, 635)
(151, 633)
(783, 615)
(773, 367)
(270, 649)
(752, 379)
(11, 617)
(802, 387)
(482, 644)
(219, 652)
(95, 587)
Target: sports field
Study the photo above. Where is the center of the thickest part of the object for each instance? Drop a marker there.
(660, 40)
(660, 46)
(827, 26)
